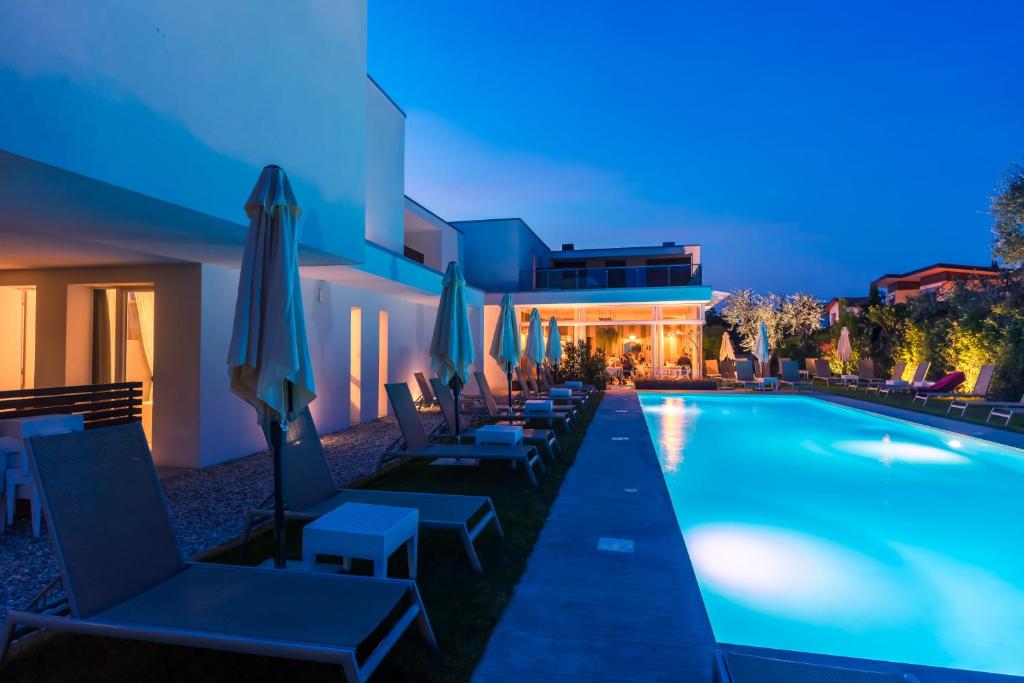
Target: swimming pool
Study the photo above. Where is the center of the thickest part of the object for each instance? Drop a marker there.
(819, 528)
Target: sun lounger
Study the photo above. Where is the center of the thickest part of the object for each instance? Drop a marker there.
(418, 444)
(902, 386)
(745, 375)
(823, 373)
(945, 387)
(310, 492)
(543, 439)
(122, 574)
(711, 370)
(530, 391)
(498, 413)
(876, 382)
(791, 376)
(1004, 409)
(865, 374)
(426, 398)
(586, 389)
(978, 394)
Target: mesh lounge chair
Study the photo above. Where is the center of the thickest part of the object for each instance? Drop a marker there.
(900, 386)
(824, 373)
(499, 413)
(427, 398)
(791, 376)
(530, 390)
(978, 394)
(1003, 409)
(865, 374)
(745, 374)
(543, 439)
(575, 398)
(727, 379)
(586, 389)
(711, 370)
(310, 492)
(418, 444)
(897, 375)
(946, 386)
(123, 576)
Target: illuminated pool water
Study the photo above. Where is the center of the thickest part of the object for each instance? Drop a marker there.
(818, 528)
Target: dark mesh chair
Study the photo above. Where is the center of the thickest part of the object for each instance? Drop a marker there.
(544, 439)
(310, 492)
(122, 574)
(418, 444)
(496, 411)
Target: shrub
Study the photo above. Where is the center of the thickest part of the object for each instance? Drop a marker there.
(579, 362)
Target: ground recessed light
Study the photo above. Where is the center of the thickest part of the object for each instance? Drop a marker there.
(616, 545)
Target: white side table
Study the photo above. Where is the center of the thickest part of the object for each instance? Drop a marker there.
(364, 531)
(849, 379)
(499, 435)
(19, 482)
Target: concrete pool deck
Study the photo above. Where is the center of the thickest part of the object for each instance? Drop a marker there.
(583, 614)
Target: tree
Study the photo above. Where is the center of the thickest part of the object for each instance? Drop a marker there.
(797, 314)
(1007, 209)
(742, 314)
(801, 314)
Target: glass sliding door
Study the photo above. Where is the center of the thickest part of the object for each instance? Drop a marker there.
(123, 341)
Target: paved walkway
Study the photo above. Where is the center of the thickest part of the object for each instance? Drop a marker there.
(583, 614)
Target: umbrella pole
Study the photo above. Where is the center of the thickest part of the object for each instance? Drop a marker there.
(277, 439)
(277, 432)
(508, 376)
(456, 387)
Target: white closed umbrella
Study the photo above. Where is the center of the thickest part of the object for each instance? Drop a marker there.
(268, 358)
(451, 351)
(554, 352)
(762, 352)
(533, 352)
(844, 350)
(726, 352)
(505, 348)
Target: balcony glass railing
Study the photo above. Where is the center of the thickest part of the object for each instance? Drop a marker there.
(610, 277)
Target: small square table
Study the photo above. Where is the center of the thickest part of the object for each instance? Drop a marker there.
(769, 384)
(499, 435)
(849, 379)
(364, 531)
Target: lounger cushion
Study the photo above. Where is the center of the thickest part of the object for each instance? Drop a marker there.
(317, 609)
(483, 452)
(433, 508)
(947, 382)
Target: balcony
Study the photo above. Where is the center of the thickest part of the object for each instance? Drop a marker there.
(610, 277)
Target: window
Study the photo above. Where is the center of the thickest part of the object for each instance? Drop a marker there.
(382, 363)
(355, 361)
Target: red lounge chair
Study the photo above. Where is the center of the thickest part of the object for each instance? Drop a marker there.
(946, 386)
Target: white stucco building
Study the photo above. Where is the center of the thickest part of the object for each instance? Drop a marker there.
(131, 135)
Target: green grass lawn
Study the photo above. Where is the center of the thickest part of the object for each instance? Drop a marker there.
(935, 406)
(464, 607)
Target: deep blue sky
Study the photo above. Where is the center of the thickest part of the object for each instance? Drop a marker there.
(811, 147)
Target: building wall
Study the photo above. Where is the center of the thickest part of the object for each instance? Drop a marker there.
(385, 170)
(186, 101)
(496, 251)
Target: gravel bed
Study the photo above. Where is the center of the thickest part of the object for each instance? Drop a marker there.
(207, 506)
